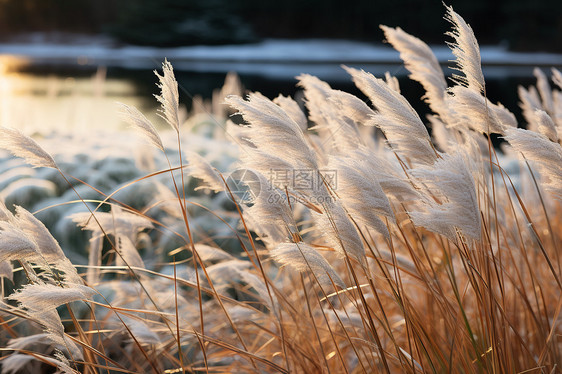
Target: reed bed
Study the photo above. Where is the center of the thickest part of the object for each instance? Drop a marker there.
(345, 238)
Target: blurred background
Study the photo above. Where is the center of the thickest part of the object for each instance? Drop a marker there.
(71, 60)
(522, 24)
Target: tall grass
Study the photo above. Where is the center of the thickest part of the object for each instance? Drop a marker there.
(363, 243)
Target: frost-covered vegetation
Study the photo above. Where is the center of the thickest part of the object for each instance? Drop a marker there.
(331, 235)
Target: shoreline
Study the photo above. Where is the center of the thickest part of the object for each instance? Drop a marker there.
(273, 58)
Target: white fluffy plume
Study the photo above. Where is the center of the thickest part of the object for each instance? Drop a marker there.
(473, 110)
(278, 171)
(545, 125)
(546, 155)
(422, 64)
(450, 181)
(530, 102)
(138, 121)
(40, 297)
(14, 243)
(47, 246)
(169, 97)
(466, 50)
(336, 114)
(200, 168)
(303, 257)
(270, 213)
(557, 77)
(23, 146)
(351, 107)
(351, 122)
(39, 302)
(339, 232)
(292, 108)
(316, 93)
(274, 132)
(396, 118)
(544, 90)
(361, 193)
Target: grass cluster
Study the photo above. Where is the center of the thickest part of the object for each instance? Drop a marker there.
(362, 242)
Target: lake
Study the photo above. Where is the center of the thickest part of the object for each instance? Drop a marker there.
(49, 97)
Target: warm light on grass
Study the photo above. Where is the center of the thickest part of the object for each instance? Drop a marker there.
(344, 238)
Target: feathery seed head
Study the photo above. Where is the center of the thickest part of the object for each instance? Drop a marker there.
(545, 125)
(339, 232)
(39, 297)
(546, 154)
(466, 50)
(303, 257)
(544, 90)
(293, 110)
(396, 118)
(14, 243)
(169, 96)
(450, 180)
(200, 168)
(23, 146)
(471, 109)
(361, 193)
(557, 77)
(273, 131)
(138, 121)
(418, 58)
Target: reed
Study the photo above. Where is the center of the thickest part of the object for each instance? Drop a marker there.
(355, 250)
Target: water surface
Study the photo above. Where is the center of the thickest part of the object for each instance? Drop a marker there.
(47, 98)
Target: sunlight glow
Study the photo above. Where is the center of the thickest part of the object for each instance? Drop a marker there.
(43, 103)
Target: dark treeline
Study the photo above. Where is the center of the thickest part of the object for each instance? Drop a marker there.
(522, 24)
